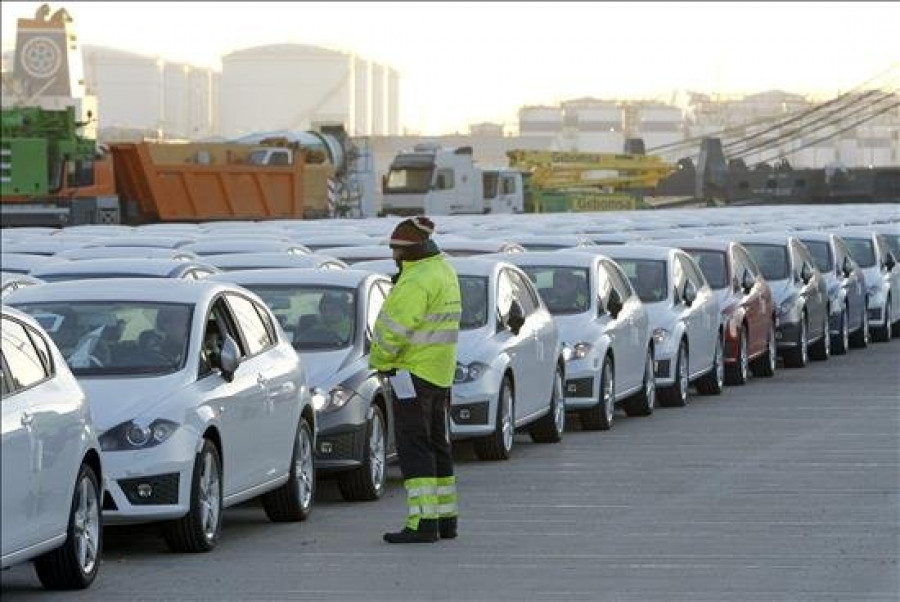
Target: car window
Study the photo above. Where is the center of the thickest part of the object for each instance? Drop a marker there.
(474, 297)
(842, 251)
(620, 281)
(266, 318)
(4, 377)
(25, 364)
(604, 282)
(373, 308)
(219, 325)
(255, 333)
(565, 290)
(746, 262)
(772, 260)
(692, 272)
(43, 349)
(804, 256)
(648, 278)
(100, 338)
(525, 293)
(505, 294)
(713, 265)
(821, 253)
(862, 250)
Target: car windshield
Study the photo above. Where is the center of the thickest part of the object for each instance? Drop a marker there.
(772, 260)
(565, 290)
(862, 250)
(545, 246)
(473, 290)
(821, 252)
(314, 318)
(106, 338)
(648, 278)
(712, 264)
(408, 180)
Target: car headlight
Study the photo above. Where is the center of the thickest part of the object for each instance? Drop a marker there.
(327, 401)
(660, 335)
(132, 435)
(581, 350)
(466, 373)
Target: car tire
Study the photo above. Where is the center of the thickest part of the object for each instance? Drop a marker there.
(713, 382)
(798, 356)
(550, 428)
(367, 482)
(75, 563)
(675, 396)
(199, 529)
(738, 373)
(821, 350)
(498, 445)
(293, 501)
(600, 417)
(841, 343)
(883, 334)
(765, 364)
(643, 403)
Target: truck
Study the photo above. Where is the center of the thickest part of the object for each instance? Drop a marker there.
(446, 181)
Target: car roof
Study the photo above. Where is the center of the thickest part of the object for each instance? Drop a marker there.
(120, 289)
(635, 251)
(119, 265)
(766, 239)
(561, 258)
(275, 260)
(477, 266)
(707, 244)
(348, 277)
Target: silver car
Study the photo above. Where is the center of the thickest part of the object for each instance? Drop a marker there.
(605, 332)
(11, 281)
(329, 316)
(510, 366)
(684, 319)
(52, 477)
(872, 251)
(185, 382)
(93, 269)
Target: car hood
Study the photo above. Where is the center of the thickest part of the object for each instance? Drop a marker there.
(577, 328)
(117, 400)
(873, 276)
(661, 314)
(478, 344)
(326, 369)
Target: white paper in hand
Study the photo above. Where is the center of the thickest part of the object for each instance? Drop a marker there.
(402, 385)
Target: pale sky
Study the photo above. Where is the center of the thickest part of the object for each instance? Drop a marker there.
(466, 62)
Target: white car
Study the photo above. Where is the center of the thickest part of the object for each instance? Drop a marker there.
(52, 479)
(684, 319)
(510, 366)
(872, 251)
(199, 399)
(11, 281)
(604, 328)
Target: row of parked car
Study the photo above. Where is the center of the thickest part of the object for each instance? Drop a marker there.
(163, 373)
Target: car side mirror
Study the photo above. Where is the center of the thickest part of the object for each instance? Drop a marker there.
(615, 303)
(889, 261)
(847, 267)
(747, 282)
(806, 273)
(229, 358)
(690, 293)
(516, 318)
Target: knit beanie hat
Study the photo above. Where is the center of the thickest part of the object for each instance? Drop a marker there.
(411, 231)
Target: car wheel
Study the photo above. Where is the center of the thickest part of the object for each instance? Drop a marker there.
(600, 417)
(499, 444)
(75, 564)
(550, 428)
(798, 357)
(676, 395)
(713, 382)
(821, 350)
(882, 334)
(765, 364)
(367, 482)
(738, 373)
(841, 343)
(198, 530)
(293, 500)
(644, 402)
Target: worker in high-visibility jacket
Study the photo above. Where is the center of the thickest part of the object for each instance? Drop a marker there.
(416, 333)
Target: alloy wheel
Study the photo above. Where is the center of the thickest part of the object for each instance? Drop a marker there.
(682, 374)
(303, 468)
(559, 404)
(608, 388)
(506, 403)
(210, 498)
(87, 525)
(743, 359)
(377, 452)
(650, 383)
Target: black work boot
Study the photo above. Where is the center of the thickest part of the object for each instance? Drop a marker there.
(426, 533)
(447, 528)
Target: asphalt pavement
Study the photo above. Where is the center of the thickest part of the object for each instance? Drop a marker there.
(787, 489)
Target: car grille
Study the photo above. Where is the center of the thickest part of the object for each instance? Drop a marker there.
(163, 489)
(470, 413)
(580, 387)
(662, 368)
(341, 446)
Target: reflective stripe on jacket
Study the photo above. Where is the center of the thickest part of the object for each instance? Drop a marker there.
(418, 325)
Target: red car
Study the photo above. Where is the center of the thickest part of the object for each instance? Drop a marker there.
(746, 303)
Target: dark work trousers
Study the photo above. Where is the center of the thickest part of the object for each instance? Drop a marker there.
(421, 428)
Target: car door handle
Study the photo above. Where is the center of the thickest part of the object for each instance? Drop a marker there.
(27, 419)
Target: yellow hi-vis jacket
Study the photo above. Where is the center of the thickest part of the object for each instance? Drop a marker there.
(418, 325)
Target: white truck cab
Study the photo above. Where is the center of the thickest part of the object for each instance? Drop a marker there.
(432, 180)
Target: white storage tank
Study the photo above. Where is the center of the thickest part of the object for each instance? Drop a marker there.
(540, 121)
(129, 87)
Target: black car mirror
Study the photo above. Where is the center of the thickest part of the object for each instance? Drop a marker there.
(747, 282)
(615, 303)
(516, 318)
(806, 273)
(889, 261)
(847, 267)
(690, 293)
(229, 358)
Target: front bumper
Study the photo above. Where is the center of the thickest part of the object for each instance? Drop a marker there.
(664, 365)
(581, 388)
(341, 436)
(473, 408)
(787, 334)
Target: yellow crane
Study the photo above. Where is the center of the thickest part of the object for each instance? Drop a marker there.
(583, 181)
